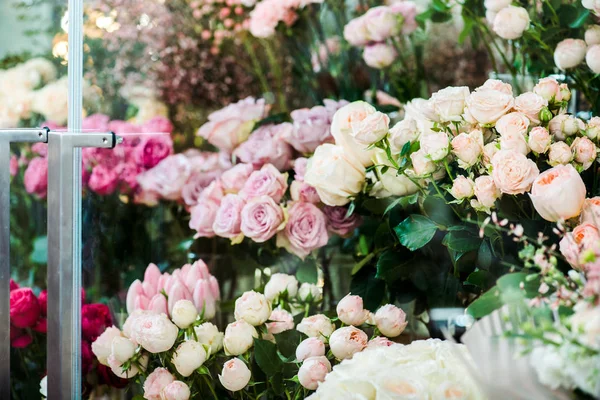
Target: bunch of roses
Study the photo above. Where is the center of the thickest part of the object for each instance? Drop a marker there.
(267, 14)
(106, 170)
(159, 292)
(17, 89)
(499, 144)
(570, 53)
(376, 30)
(432, 369)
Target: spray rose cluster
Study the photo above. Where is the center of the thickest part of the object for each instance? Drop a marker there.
(377, 30)
(267, 14)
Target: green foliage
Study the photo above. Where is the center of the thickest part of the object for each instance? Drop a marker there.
(307, 271)
(415, 231)
(265, 354)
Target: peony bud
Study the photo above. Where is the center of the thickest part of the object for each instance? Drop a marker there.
(102, 347)
(175, 390)
(209, 335)
(280, 283)
(569, 53)
(235, 375)
(253, 308)
(350, 310)
(390, 320)
(346, 341)
(311, 347)
(184, 313)
(188, 357)
(239, 338)
(316, 326)
(309, 290)
(593, 128)
(156, 382)
(511, 22)
(313, 371)
(592, 35)
(281, 321)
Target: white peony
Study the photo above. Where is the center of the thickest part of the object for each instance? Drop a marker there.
(252, 307)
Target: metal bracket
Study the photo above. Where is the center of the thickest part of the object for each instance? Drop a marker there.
(8, 136)
(64, 258)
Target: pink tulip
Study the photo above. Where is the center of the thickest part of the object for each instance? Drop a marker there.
(152, 275)
(141, 302)
(205, 274)
(135, 289)
(204, 300)
(149, 289)
(214, 287)
(162, 282)
(158, 303)
(193, 276)
(185, 270)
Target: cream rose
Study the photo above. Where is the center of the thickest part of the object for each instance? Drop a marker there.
(449, 103)
(239, 338)
(422, 164)
(403, 132)
(371, 129)
(513, 123)
(188, 357)
(569, 53)
(468, 147)
(531, 105)
(488, 106)
(318, 326)
(341, 130)
(309, 290)
(592, 58)
(235, 375)
(558, 193)
(548, 88)
(560, 153)
(489, 150)
(436, 145)
(347, 341)
(390, 320)
(350, 310)
(252, 307)
(496, 84)
(584, 151)
(511, 22)
(513, 173)
(280, 283)
(539, 140)
(334, 174)
(462, 188)
(486, 191)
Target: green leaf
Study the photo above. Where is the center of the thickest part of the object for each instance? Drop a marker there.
(518, 281)
(489, 302)
(578, 23)
(391, 267)
(287, 341)
(39, 255)
(481, 278)
(371, 289)
(440, 17)
(415, 231)
(265, 353)
(484, 255)
(467, 29)
(307, 271)
(439, 5)
(439, 211)
(461, 241)
(405, 149)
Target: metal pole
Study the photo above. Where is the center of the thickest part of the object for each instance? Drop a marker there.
(6, 138)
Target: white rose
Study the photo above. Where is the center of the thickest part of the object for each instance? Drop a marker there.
(560, 153)
(310, 347)
(371, 129)
(122, 349)
(188, 357)
(530, 104)
(335, 175)
(422, 164)
(555, 126)
(313, 371)
(253, 308)
(592, 58)
(184, 313)
(209, 335)
(539, 140)
(403, 132)
(350, 310)
(390, 320)
(488, 106)
(436, 145)
(102, 346)
(154, 332)
(496, 5)
(318, 326)
(449, 103)
(420, 110)
(462, 188)
(569, 53)
(511, 22)
(235, 375)
(341, 129)
(467, 147)
(280, 283)
(310, 290)
(592, 35)
(347, 341)
(239, 338)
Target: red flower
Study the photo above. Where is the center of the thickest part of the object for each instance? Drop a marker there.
(22, 340)
(13, 285)
(43, 300)
(41, 326)
(24, 308)
(95, 318)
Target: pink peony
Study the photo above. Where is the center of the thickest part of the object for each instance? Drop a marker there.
(300, 165)
(128, 173)
(152, 150)
(228, 219)
(558, 193)
(103, 180)
(339, 223)
(266, 145)
(14, 165)
(267, 181)
(306, 230)
(36, 177)
(156, 382)
(262, 218)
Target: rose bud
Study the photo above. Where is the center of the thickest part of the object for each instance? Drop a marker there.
(208, 334)
(122, 349)
(184, 313)
(253, 308)
(235, 375)
(280, 283)
(350, 310)
(102, 347)
(316, 326)
(593, 128)
(462, 188)
(24, 308)
(558, 193)
(560, 153)
(486, 191)
(311, 347)
(390, 320)
(239, 337)
(421, 163)
(346, 341)
(307, 290)
(312, 371)
(188, 357)
(468, 147)
(175, 390)
(539, 140)
(156, 382)
(584, 151)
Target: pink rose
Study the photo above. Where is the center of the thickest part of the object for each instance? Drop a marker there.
(193, 188)
(421, 163)
(306, 230)
(381, 23)
(379, 341)
(558, 193)
(128, 173)
(313, 371)
(157, 124)
(202, 218)
(462, 187)
(301, 191)
(266, 145)
(584, 151)
(486, 191)
(228, 219)
(549, 89)
(233, 180)
(156, 382)
(513, 123)
(513, 173)
(36, 177)
(152, 150)
(123, 127)
(390, 320)
(24, 308)
(104, 180)
(591, 211)
(583, 237)
(310, 347)
(213, 192)
(539, 140)
(268, 181)
(311, 128)
(339, 223)
(167, 178)
(560, 154)
(468, 147)
(488, 106)
(300, 165)
(379, 55)
(531, 104)
(262, 218)
(496, 84)
(266, 16)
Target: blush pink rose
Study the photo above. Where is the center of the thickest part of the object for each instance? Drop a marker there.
(313, 371)
(193, 188)
(228, 219)
(531, 105)
(591, 211)
(573, 244)
(486, 191)
(468, 147)
(488, 106)
(310, 347)
(513, 172)
(233, 180)
(338, 221)
(152, 150)
(167, 178)
(539, 139)
(36, 177)
(267, 181)
(311, 128)
(266, 145)
(213, 192)
(262, 218)
(281, 321)
(202, 218)
(558, 193)
(306, 230)
(584, 151)
(103, 180)
(301, 191)
(300, 165)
